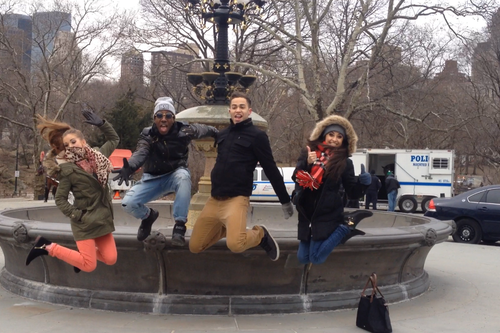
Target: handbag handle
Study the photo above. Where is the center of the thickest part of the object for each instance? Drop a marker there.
(373, 280)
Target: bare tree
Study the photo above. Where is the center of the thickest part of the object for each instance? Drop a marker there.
(342, 32)
(67, 47)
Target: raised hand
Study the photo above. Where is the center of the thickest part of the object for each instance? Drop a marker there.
(124, 173)
(364, 177)
(311, 155)
(92, 118)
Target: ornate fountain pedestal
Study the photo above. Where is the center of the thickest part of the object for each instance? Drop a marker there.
(217, 116)
(155, 277)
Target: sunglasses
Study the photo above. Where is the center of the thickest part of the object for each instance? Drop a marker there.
(166, 115)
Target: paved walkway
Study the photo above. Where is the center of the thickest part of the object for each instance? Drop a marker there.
(464, 296)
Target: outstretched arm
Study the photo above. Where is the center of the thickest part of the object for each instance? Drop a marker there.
(200, 131)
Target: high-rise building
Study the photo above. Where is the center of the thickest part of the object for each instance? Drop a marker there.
(450, 72)
(485, 58)
(132, 68)
(66, 59)
(169, 69)
(18, 31)
(45, 28)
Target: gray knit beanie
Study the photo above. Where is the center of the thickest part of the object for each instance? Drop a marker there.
(164, 104)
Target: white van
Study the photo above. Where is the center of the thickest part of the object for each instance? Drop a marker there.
(422, 173)
(262, 188)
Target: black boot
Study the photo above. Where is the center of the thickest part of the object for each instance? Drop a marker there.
(352, 220)
(352, 233)
(38, 249)
(178, 233)
(145, 227)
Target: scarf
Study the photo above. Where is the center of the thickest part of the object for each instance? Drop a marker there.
(314, 179)
(90, 160)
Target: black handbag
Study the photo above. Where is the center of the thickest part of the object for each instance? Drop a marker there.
(373, 312)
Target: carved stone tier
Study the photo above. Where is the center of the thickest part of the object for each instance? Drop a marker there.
(155, 277)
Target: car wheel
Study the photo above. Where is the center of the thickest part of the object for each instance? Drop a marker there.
(468, 231)
(425, 204)
(408, 204)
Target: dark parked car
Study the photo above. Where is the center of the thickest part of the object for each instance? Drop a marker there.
(476, 213)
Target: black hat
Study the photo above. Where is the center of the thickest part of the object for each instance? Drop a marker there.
(334, 128)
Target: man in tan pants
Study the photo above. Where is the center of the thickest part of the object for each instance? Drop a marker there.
(240, 146)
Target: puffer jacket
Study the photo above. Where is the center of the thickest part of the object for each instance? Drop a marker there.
(391, 184)
(239, 147)
(321, 211)
(89, 195)
(162, 154)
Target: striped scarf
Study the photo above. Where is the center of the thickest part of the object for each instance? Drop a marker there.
(314, 179)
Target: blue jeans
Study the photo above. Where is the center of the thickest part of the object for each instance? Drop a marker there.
(316, 252)
(151, 188)
(391, 196)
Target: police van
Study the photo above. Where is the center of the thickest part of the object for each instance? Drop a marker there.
(422, 173)
(262, 188)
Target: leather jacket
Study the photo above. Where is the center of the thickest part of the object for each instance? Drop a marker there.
(162, 154)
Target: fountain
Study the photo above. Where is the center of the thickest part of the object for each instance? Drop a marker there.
(154, 277)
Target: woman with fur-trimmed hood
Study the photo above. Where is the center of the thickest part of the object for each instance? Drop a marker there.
(321, 170)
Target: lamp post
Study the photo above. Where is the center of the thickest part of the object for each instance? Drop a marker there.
(216, 87)
(16, 172)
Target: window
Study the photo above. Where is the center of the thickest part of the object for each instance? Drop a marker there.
(264, 176)
(476, 197)
(493, 197)
(440, 163)
(255, 175)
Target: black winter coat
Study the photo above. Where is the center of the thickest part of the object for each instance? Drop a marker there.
(391, 184)
(321, 211)
(162, 154)
(375, 185)
(239, 147)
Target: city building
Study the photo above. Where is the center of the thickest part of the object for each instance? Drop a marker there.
(450, 72)
(132, 68)
(169, 69)
(46, 26)
(18, 30)
(66, 58)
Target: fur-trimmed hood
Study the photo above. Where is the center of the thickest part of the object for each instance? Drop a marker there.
(352, 138)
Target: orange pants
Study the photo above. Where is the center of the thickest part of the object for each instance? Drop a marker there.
(89, 251)
(225, 218)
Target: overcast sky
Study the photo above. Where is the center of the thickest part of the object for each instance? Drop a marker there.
(460, 23)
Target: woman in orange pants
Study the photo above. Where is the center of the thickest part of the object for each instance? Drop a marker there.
(83, 171)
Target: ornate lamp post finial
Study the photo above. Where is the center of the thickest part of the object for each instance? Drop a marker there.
(221, 82)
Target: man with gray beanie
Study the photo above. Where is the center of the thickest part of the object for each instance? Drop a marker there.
(163, 150)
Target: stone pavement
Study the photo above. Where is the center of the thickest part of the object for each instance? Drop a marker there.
(464, 296)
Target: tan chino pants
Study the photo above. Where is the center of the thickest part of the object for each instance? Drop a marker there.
(225, 218)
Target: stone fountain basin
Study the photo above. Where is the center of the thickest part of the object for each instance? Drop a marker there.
(154, 277)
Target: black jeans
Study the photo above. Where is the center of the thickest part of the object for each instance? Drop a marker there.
(371, 198)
